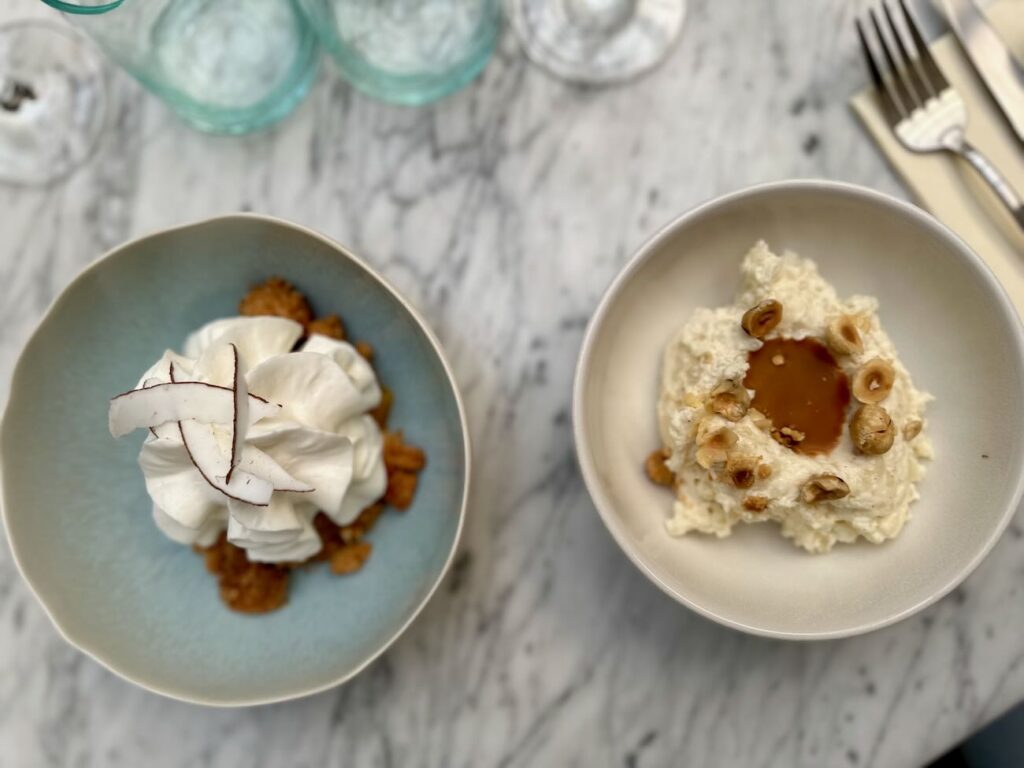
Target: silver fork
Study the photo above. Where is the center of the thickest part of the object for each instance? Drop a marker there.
(923, 110)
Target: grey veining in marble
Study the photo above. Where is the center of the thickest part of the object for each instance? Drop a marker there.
(503, 213)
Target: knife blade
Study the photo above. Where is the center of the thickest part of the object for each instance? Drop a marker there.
(999, 70)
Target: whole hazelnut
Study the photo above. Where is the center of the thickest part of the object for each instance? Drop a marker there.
(873, 381)
(843, 337)
(761, 320)
(872, 430)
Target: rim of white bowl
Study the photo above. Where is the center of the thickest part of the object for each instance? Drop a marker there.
(641, 255)
(68, 634)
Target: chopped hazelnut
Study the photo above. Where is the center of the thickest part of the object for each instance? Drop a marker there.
(730, 399)
(657, 472)
(713, 447)
(690, 400)
(761, 320)
(824, 488)
(742, 470)
(843, 337)
(872, 430)
(708, 456)
(873, 381)
(912, 429)
(788, 436)
(755, 503)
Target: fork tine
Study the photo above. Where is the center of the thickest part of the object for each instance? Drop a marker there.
(916, 83)
(891, 108)
(937, 81)
(899, 82)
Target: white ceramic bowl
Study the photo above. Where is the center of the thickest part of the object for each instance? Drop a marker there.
(957, 333)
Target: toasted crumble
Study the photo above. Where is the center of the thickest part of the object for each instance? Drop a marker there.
(381, 413)
(279, 298)
(328, 325)
(401, 488)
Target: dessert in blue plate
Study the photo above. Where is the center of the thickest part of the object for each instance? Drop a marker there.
(253, 432)
(265, 447)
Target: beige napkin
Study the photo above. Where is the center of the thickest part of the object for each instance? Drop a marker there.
(947, 186)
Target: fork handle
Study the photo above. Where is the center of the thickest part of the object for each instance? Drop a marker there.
(996, 180)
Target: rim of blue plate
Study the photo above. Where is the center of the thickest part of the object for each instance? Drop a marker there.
(68, 635)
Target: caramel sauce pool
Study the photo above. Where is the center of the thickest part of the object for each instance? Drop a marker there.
(797, 384)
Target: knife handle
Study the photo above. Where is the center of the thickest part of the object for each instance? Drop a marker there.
(996, 180)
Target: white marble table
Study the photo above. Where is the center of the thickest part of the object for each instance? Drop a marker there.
(503, 213)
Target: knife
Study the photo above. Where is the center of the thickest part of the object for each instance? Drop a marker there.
(1000, 71)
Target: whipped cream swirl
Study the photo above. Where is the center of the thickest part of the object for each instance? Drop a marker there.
(321, 436)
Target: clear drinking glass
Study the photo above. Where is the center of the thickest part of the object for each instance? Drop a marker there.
(227, 66)
(597, 41)
(407, 51)
(52, 101)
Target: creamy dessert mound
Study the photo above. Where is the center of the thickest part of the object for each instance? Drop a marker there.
(789, 405)
(267, 447)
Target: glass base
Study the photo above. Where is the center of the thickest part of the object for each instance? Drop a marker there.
(257, 118)
(412, 91)
(230, 66)
(407, 51)
(53, 103)
(597, 41)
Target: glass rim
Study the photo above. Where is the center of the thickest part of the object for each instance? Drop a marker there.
(69, 6)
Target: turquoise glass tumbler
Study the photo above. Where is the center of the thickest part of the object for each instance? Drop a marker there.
(407, 51)
(225, 66)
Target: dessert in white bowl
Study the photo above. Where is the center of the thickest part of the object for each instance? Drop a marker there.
(789, 405)
(956, 332)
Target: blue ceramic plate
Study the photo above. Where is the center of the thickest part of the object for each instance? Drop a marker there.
(77, 513)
